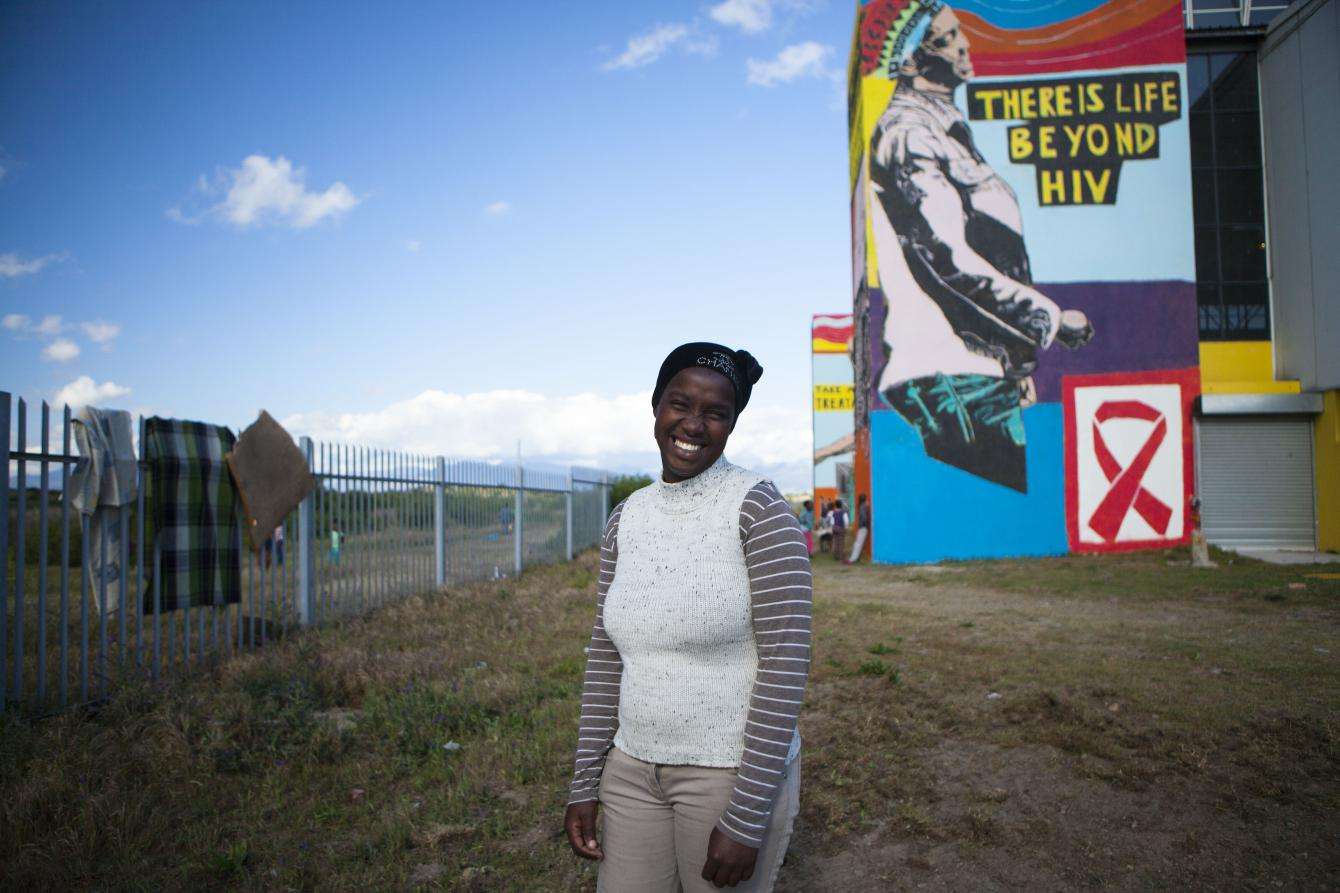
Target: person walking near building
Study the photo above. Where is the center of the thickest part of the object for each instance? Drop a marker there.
(840, 521)
(807, 524)
(862, 528)
(698, 658)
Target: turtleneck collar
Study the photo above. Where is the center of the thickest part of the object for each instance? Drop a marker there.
(687, 495)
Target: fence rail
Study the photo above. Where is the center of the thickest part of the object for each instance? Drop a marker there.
(380, 525)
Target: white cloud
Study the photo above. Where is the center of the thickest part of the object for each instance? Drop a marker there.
(62, 350)
(703, 46)
(614, 432)
(796, 61)
(750, 16)
(100, 332)
(413, 246)
(644, 49)
(84, 391)
(267, 191)
(12, 266)
(16, 322)
(497, 209)
(49, 326)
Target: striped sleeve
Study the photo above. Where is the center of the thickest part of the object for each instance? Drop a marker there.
(781, 594)
(600, 685)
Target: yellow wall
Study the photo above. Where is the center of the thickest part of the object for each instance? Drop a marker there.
(1241, 367)
(1327, 463)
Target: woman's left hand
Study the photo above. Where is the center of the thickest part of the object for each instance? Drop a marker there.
(728, 862)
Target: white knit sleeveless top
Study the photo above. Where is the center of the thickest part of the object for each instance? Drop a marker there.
(678, 610)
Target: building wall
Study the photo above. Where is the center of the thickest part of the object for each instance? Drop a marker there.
(1023, 276)
(1300, 109)
(1300, 101)
(832, 403)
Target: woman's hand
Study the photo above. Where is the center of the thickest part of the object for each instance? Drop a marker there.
(580, 823)
(728, 863)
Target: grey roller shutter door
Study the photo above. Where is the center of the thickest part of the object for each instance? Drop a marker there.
(1256, 481)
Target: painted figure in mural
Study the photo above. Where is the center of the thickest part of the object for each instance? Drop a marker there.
(964, 322)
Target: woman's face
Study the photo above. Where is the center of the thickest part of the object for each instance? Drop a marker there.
(693, 421)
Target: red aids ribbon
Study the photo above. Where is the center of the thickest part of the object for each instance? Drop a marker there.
(1126, 490)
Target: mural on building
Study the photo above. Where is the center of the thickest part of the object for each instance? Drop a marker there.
(1021, 214)
(833, 402)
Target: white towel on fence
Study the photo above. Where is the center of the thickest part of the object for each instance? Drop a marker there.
(103, 481)
(107, 469)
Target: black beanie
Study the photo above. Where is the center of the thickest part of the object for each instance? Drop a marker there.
(738, 366)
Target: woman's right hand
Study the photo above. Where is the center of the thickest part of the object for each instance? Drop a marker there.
(580, 823)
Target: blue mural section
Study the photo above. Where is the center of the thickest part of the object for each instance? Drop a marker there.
(1016, 15)
(1006, 522)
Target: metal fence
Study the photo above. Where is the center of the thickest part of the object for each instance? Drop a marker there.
(379, 526)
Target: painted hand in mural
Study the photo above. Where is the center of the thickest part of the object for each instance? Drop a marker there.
(1075, 330)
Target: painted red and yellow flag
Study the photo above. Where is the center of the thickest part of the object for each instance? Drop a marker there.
(831, 333)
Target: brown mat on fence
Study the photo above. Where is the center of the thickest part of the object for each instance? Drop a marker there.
(271, 474)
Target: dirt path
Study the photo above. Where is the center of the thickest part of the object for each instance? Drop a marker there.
(960, 737)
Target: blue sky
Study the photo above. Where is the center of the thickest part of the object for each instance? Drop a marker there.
(437, 226)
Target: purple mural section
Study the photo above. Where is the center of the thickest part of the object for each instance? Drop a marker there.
(1137, 326)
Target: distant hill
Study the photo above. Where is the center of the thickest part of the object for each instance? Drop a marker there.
(34, 477)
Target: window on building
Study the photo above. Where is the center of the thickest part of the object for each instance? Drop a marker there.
(1210, 14)
(1228, 196)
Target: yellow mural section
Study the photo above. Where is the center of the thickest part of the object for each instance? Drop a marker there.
(875, 93)
(1241, 367)
(834, 397)
(1326, 435)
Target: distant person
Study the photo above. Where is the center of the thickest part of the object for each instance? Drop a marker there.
(807, 524)
(840, 522)
(275, 546)
(698, 659)
(336, 537)
(505, 515)
(862, 528)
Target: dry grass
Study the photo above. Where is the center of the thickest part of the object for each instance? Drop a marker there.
(1080, 722)
(319, 761)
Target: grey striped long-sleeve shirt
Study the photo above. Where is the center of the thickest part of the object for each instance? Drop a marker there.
(780, 597)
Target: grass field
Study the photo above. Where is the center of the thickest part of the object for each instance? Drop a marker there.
(1120, 722)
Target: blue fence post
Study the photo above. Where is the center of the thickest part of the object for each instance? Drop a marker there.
(440, 522)
(4, 546)
(520, 507)
(567, 502)
(307, 547)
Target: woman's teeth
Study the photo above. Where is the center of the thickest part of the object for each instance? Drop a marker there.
(688, 447)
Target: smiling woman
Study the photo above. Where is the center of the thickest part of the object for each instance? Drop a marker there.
(698, 659)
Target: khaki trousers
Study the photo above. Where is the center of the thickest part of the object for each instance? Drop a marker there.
(657, 820)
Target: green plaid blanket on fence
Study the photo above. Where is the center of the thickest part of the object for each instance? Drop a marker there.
(194, 513)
